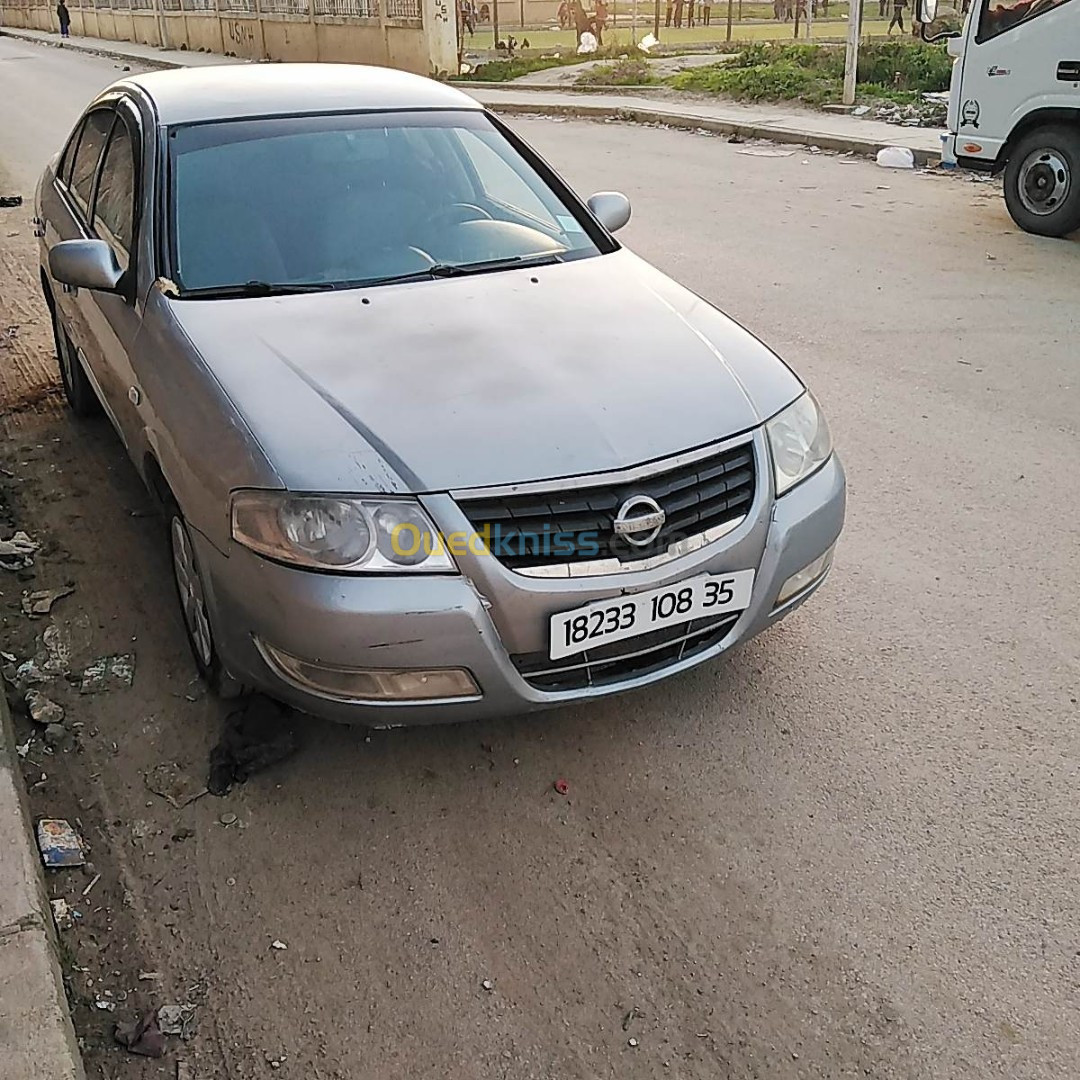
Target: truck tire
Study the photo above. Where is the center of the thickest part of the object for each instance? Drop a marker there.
(1042, 181)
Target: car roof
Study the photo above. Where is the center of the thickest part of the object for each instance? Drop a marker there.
(231, 91)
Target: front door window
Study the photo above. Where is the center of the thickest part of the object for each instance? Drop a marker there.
(1001, 15)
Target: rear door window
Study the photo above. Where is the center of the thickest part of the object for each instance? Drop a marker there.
(67, 159)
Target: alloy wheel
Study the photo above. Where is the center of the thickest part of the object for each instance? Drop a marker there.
(192, 598)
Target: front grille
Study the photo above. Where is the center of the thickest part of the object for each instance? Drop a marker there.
(623, 660)
(576, 525)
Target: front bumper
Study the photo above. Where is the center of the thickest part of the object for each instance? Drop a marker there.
(477, 620)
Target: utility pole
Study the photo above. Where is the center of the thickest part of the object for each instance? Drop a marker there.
(730, 12)
(656, 21)
(851, 56)
(495, 23)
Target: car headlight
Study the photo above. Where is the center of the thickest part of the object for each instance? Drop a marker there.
(334, 532)
(800, 442)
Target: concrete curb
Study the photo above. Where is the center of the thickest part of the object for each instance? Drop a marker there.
(844, 144)
(92, 50)
(37, 1039)
(560, 88)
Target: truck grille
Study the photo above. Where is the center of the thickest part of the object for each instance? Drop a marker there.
(577, 525)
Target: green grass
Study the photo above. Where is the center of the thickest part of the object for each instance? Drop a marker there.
(505, 70)
(629, 72)
(897, 71)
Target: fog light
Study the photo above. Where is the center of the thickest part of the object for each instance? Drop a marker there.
(806, 577)
(370, 684)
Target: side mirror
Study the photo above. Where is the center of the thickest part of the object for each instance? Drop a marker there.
(85, 264)
(611, 208)
(926, 10)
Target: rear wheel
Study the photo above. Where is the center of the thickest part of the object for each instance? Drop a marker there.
(192, 596)
(77, 387)
(1042, 181)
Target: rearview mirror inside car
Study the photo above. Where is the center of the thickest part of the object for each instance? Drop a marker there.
(85, 264)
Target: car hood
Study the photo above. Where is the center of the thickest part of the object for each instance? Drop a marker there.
(498, 378)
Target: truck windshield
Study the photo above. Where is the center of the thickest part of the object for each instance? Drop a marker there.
(1001, 15)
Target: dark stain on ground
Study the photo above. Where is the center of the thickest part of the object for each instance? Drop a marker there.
(257, 735)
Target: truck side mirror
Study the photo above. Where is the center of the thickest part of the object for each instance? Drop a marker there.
(926, 11)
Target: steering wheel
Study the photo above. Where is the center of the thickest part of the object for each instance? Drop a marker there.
(458, 213)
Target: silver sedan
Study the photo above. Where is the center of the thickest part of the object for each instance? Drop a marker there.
(431, 445)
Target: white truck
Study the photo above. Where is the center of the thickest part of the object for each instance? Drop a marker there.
(1014, 105)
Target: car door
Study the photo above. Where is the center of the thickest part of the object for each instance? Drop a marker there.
(115, 319)
(66, 213)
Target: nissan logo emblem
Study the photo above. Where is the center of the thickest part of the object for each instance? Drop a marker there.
(639, 520)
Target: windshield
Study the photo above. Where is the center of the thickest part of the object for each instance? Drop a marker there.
(1001, 15)
(333, 201)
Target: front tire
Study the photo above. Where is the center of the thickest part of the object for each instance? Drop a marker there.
(1042, 181)
(192, 596)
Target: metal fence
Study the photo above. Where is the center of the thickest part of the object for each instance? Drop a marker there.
(348, 9)
(406, 10)
(285, 7)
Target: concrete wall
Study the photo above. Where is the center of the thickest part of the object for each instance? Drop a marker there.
(414, 37)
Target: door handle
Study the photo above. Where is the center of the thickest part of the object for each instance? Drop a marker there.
(1069, 71)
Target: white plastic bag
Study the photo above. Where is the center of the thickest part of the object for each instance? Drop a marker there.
(896, 157)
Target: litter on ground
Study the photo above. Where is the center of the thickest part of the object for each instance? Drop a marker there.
(176, 1020)
(896, 157)
(142, 1035)
(175, 786)
(40, 602)
(43, 710)
(109, 673)
(60, 844)
(18, 552)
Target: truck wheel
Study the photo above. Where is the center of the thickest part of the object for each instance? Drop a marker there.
(1042, 181)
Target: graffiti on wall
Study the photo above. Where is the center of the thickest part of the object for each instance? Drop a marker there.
(240, 33)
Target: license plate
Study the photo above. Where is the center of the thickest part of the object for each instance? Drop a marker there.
(628, 616)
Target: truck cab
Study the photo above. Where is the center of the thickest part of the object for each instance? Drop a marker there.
(1014, 105)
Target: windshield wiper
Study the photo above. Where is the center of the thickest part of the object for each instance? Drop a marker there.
(436, 270)
(445, 270)
(255, 288)
(460, 269)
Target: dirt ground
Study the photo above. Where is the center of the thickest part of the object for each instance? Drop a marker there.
(171, 910)
(848, 850)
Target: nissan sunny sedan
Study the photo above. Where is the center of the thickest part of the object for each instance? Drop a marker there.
(431, 445)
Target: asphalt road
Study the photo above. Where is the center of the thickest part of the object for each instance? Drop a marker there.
(848, 850)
